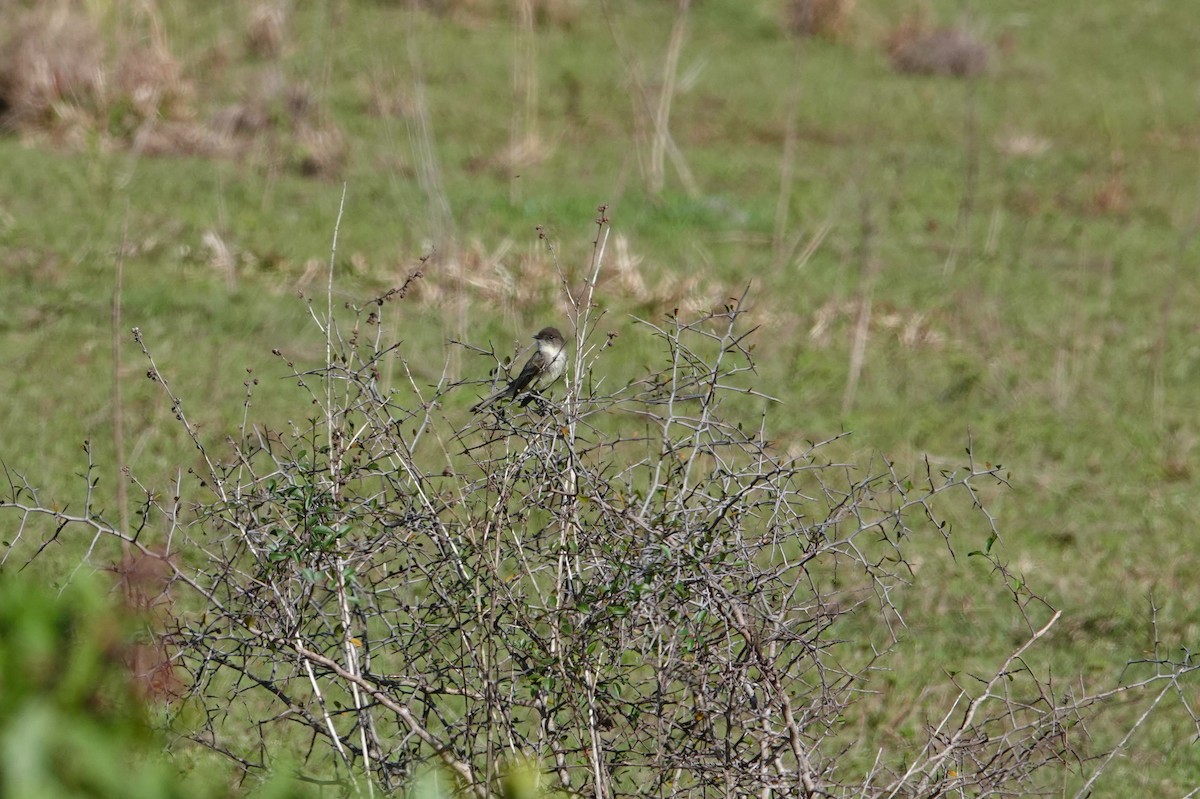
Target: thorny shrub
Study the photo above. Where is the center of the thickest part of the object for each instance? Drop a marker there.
(619, 583)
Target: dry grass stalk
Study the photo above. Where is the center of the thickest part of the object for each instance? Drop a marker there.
(524, 140)
(658, 146)
(222, 258)
(266, 29)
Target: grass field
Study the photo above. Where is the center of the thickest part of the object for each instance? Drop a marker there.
(1024, 242)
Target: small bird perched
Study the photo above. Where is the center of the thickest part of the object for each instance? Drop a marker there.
(546, 365)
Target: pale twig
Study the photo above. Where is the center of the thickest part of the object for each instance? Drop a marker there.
(118, 406)
(862, 325)
(930, 767)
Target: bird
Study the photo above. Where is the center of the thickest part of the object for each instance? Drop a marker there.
(545, 366)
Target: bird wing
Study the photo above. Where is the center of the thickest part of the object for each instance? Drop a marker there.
(533, 368)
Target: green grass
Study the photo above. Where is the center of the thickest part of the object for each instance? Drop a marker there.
(1062, 336)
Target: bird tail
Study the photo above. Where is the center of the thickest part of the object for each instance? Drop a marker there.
(504, 393)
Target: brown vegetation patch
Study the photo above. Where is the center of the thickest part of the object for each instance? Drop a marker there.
(1111, 197)
(145, 581)
(62, 80)
(511, 159)
(151, 80)
(910, 329)
(546, 13)
(689, 292)
(266, 29)
(1022, 145)
(917, 48)
(526, 280)
(557, 13)
(387, 100)
(281, 124)
(50, 58)
(320, 150)
(827, 18)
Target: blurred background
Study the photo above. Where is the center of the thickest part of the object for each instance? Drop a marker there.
(958, 223)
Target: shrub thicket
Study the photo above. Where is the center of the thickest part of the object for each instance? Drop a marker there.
(629, 586)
